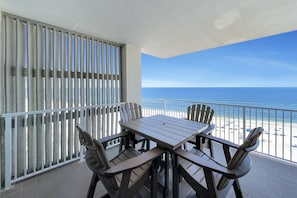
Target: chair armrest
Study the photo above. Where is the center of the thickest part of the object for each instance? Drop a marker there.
(209, 128)
(205, 132)
(135, 162)
(219, 140)
(207, 164)
(112, 137)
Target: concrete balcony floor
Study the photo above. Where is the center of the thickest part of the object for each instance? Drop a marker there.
(268, 178)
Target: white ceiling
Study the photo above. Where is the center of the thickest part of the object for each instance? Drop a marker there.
(164, 28)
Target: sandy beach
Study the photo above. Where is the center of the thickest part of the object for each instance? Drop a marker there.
(279, 138)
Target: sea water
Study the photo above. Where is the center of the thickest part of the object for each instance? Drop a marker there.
(280, 128)
(280, 98)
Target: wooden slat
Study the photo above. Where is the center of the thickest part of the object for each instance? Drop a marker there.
(70, 98)
(48, 96)
(20, 93)
(64, 70)
(87, 69)
(92, 66)
(81, 66)
(40, 92)
(163, 128)
(76, 89)
(169, 124)
(98, 71)
(10, 61)
(31, 91)
(76, 83)
(111, 67)
(107, 70)
(56, 96)
(112, 88)
(118, 80)
(103, 69)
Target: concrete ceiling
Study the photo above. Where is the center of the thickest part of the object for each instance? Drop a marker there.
(164, 28)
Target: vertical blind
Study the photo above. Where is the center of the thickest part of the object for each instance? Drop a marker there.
(45, 67)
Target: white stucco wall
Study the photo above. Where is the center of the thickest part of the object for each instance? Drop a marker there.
(131, 73)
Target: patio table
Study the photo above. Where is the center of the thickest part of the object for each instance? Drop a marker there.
(169, 133)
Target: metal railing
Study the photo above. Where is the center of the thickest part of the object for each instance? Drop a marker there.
(35, 142)
(234, 122)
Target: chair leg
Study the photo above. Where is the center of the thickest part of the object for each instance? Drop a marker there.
(210, 148)
(92, 186)
(121, 144)
(154, 180)
(210, 182)
(145, 145)
(143, 142)
(237, 189)
(199, 143)
(148, 145)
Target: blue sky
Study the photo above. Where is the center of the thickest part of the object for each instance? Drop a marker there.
(265, 62)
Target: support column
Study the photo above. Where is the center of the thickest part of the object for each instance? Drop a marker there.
(131, 74)
(1, 68)
(2, 93)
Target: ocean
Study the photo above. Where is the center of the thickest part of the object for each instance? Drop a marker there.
(280, 98)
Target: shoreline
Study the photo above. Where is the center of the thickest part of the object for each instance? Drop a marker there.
(279, 139)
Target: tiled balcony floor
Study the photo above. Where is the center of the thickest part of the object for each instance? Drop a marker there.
(268, 178)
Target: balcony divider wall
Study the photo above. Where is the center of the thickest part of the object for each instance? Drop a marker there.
(46, 73)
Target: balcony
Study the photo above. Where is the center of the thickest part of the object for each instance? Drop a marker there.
(54, 164)
(40, 155)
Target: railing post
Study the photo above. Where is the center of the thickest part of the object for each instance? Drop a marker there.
(165, 104)
(7, 150)
(82, 114)
(244, 122)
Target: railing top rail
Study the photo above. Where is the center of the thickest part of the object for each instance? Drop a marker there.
(222, 104)
(56, 110)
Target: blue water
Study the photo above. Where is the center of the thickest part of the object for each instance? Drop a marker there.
(283, 98)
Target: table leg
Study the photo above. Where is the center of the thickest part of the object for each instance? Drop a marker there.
(198, 142)
(131, 140)
(175, 182)
(166, 172)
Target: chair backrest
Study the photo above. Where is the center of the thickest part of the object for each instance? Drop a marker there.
(130, 111)
(96, 159)
(238, 159)
(85, 139)
(200, 113)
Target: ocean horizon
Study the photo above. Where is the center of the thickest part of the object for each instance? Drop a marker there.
(267, 97)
